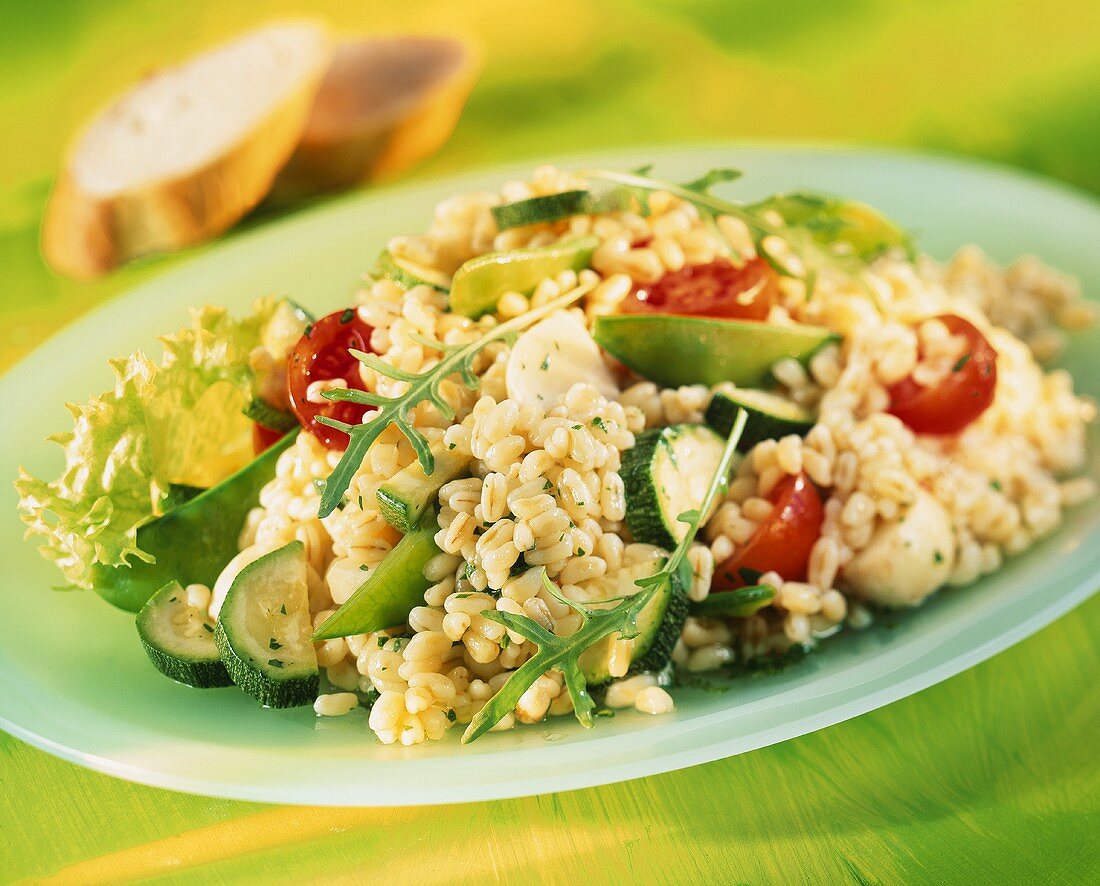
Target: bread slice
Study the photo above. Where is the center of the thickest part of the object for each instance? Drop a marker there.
(385, 105)
(187, 152)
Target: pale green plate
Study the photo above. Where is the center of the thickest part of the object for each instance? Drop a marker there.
(74, 680)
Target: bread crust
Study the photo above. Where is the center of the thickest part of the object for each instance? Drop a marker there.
(86, 235)
(381, 149)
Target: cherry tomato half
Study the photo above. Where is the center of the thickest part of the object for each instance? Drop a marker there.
(322, 354)
(264, 438)
(783, 543)
(960, 397)
(716, 289)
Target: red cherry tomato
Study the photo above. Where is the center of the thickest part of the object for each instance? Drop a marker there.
(264, 438)
(783, 543)
(717, 289)
(322, 354)
(960, 397)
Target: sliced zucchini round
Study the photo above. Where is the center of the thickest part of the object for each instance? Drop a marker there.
(481, 281)
(554, 207)
(179, 639)
(595, 662)
(408, 274)
(264, 627)
(659, 653)
(770, 416)
(665, 474)
(403, 499)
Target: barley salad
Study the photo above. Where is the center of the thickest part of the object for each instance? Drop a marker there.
(580, 440)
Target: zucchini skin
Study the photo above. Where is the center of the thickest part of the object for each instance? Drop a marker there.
(290, 687)
(197, 674)
(644, 514)
(554, 207)
(291, 692)
(659, 654)
(760, 426)
(186, 667)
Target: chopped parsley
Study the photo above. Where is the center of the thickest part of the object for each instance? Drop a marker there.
(577, 427)
(961, 362)
(451, 715)
(937, 556)
(996, 484)
(208, 627)
(348, 315)
(505, 641)
(451, 445)
(282, 609)
(363, 567)
(599, 423)
(545, 364)
(274, 644)
(274, 662)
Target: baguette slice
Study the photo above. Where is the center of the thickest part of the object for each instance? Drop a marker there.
(385, 105)
(186, 153)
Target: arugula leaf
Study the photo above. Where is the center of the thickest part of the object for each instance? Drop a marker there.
(816, 253)
(176, 423)
(563, 653)
(855, 227)
(703, 184)
(735, 604)
(423, 386)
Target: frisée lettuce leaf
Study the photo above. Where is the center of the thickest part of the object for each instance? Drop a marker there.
(176, 423)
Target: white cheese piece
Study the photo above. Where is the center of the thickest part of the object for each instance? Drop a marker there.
(551, 357)
(905, 560)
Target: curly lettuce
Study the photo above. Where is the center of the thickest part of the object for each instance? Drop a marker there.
(176, 423)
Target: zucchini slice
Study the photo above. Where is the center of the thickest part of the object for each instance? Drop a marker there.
(390, 591)
(405, 497)
(675, 350)
(263, 630)
(263, 413)
(659, 654)
(665, 474)
(179, 639)
(481, 281)
(408, 274)
(770, 416)
(554, 207)
(595, 661)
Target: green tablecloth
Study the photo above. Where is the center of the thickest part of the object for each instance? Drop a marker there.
(992, 776)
